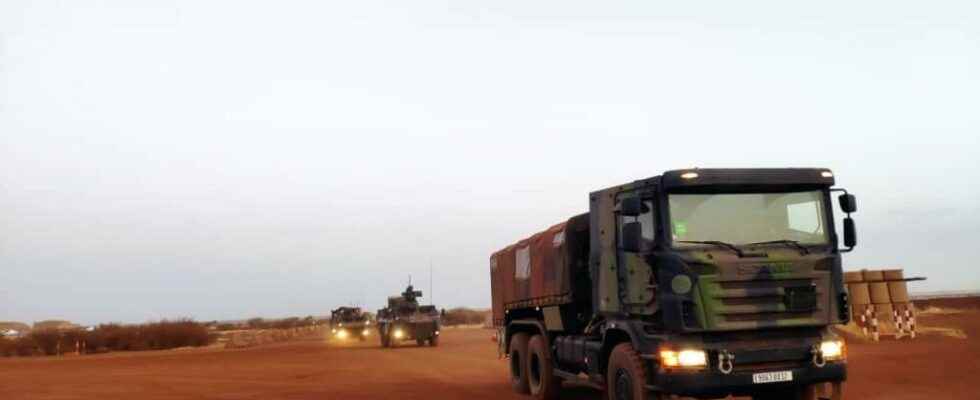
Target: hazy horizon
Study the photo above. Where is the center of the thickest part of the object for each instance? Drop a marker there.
(226, 160)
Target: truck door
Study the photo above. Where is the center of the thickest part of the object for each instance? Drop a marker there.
(637, 290)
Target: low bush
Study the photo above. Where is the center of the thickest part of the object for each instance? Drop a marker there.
(22, 346)
(463, 316)
(110, 337)
(284, 323)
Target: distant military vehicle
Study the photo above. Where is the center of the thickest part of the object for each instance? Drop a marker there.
(701, 283)
(404, 320)
(349, 322)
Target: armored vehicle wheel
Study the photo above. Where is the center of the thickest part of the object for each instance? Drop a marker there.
(518, 368)
(434, 341)
(626, 375)
(544, 385)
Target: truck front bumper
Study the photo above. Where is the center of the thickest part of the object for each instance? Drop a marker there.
(711, 383)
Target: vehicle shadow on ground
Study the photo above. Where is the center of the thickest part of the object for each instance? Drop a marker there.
(577, 392)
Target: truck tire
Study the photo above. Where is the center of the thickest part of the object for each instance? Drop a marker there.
(385, 340)
(434, 341)
(626, 375)
(518, 368)
(420, 342)
(808, 392)
(542, 382)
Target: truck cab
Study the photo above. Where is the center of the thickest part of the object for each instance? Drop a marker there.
(703, 283)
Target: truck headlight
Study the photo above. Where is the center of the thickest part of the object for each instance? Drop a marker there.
(364, 332)
(683, 359)
(832, 350)
(342, 334)
(399, 334)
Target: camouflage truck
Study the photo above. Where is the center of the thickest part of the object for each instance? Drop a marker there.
(405, 320)
(701, 283)
(349, 322)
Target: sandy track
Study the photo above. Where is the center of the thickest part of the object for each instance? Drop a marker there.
(464, 366)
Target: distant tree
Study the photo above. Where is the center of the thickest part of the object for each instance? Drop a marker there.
(256, 323)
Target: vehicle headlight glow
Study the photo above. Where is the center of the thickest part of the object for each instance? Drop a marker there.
(399, 334)
(342, 334)
(364, 332)
(683, 358)
(832, 350)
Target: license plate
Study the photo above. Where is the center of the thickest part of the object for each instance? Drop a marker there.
(770, 377)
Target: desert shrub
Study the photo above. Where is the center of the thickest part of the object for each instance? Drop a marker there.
(19, 346)
(173, 334)
(282, 323)
(111, 337)
(227, 327)
(6, 347)
(256, 323)
(152, 336)
(116, 337)
(463, 316)
(47, 340)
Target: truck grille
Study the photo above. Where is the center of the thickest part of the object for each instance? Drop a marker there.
(768, 300)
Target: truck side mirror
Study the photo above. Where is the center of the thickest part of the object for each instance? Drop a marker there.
(631, 207)
(848, 203)
(850, 233)
(632, 236)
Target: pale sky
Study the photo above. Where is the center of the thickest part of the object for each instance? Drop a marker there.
(229, 159)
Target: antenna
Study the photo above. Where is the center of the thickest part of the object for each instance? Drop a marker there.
(431, 293)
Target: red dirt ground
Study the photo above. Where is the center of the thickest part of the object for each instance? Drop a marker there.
(464, 366)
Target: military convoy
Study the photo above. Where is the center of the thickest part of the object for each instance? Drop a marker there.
(349, 322)
(405, 320)
(701, 283)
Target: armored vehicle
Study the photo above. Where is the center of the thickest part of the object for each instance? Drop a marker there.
(349, 322)
(701, 283)
(404, 320)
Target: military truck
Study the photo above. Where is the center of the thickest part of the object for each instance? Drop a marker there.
(405, 320)
(700, 282)
(349, 322)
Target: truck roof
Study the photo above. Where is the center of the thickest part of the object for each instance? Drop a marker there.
(577, 222)
(744, 179)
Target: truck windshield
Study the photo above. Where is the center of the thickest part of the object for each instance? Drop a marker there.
(746, 218)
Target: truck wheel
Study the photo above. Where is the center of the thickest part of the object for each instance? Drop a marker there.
(808, 392)
(518, 368)
(626, 375)
(434, 341)
(544, 385)
(385, 340)
(420, 342)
